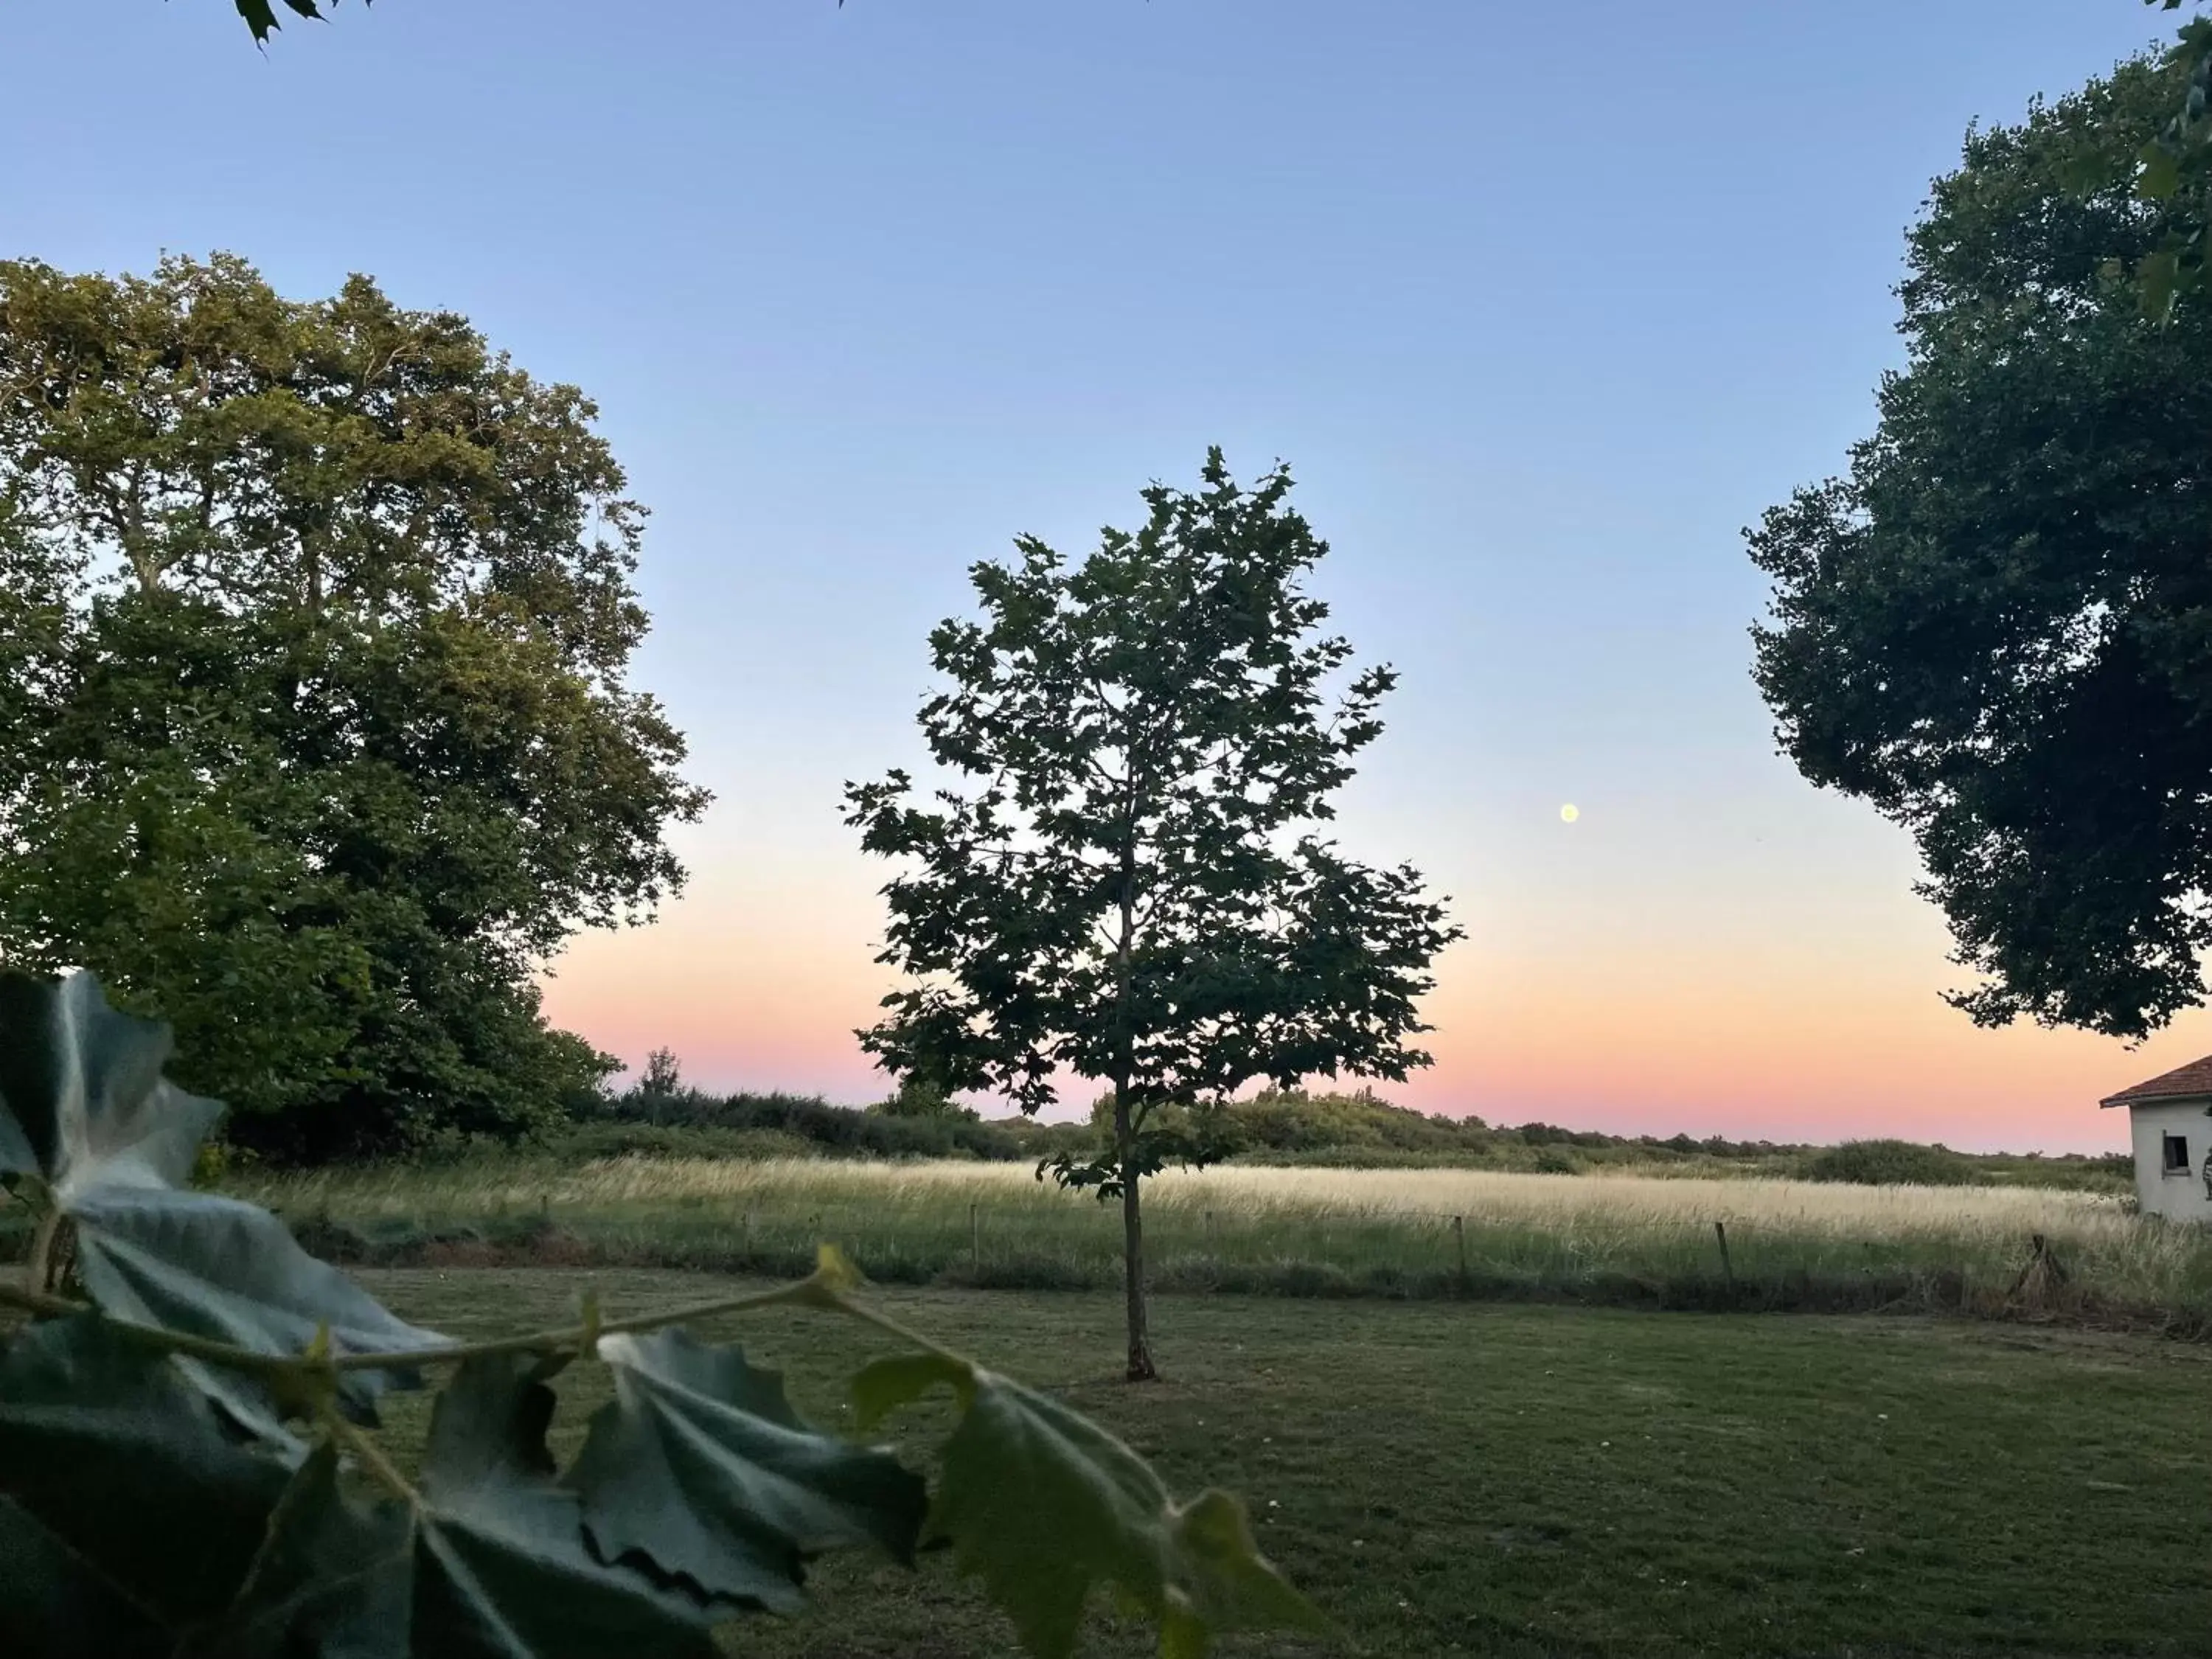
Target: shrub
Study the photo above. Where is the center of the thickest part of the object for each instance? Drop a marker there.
(586, 1141)
(834, 1131)
(1889, 1163)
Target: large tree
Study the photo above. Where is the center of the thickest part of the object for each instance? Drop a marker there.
(314, 736)
(1131, 888)
(1997, 626)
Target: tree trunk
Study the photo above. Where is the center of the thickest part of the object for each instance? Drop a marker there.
(1141, 1369)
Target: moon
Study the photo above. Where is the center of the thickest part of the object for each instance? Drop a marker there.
(1569, 812)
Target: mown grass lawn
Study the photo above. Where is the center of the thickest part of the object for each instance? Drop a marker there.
(1526, 1481)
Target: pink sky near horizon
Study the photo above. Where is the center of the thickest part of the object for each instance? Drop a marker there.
(1790, 1015)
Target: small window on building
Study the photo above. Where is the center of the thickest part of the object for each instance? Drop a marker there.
(2177, 1155)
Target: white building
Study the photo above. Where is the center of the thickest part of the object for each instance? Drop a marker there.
(2171, 1121)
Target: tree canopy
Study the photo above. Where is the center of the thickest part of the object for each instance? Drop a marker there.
(2174, 167)
(1133, 889)
(260, 16)
(1998, 625)
(316, 737)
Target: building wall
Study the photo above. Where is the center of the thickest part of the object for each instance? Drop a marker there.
(2181, 1195)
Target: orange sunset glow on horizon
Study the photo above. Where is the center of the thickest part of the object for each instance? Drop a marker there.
(1789, 1014)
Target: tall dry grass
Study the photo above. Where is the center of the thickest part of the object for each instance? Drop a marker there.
(1377, 1228)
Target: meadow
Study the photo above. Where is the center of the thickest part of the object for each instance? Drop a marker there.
(1629, 1239)
(1527, 1481)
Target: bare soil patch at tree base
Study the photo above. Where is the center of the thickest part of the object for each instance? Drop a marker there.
(1554, 1480)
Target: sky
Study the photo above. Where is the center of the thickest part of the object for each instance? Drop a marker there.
(1541, 303)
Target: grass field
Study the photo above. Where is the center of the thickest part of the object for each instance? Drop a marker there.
(1422, 1232)
(1560, 1481)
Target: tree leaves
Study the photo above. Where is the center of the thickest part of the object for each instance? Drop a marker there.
(55, 1603)
(1120, 887)
(1993, 628)
(315, 720)
(84, 1107)
(115, 1474)
(332, 1577)
(700, 1467)
(137, 1520)
(261, 16)
(486, 1560)
(1044, 1505)
(232, 1272)
(1147, 732)
(82, 1101)
(2174, 171)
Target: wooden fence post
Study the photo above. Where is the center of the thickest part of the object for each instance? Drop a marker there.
(1459, 1238)
(1728, 1267)
(974, 1239)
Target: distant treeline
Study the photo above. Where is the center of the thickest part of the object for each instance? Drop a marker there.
(1276, 1126)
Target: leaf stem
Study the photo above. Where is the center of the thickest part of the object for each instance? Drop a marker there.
(153, 1336)
(840, 1302)
(802, 1290)
(363, 1446)
(39, 1265)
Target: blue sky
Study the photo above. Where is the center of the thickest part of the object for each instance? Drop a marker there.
(1542, 303)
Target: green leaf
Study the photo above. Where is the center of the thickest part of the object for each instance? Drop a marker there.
(224, 1270)
(2156, 278)
(333, 1579)
(83, 1106)
(55, 1603)
(1044, 1505)
(2157, 172)
(498, 1545)
(701, 1467)
(1229, 1584)
(82, 1100)
(261, 16)
(884, 1385)
(2083, 173)
(487, 1560)
(111, 1462)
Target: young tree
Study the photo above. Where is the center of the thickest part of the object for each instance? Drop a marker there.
(662, 1079)
(1131, 889)
(921, 1097)
(662, 1075)
(1995, 627)
(314, 737)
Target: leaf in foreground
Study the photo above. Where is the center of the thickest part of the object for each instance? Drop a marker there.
(699, 1466)
(112, 1463)
(56, 1603)
(488, 1559)
(1044, 1505)
(84, 1107)
(82, 1100)
(218, 1268)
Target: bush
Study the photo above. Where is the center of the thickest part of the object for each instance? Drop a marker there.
(834, 1131)
(1889, 1163)
(917, 1097)
(586, 1141)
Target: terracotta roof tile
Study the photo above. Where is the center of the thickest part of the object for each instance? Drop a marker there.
(2194, 1079)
